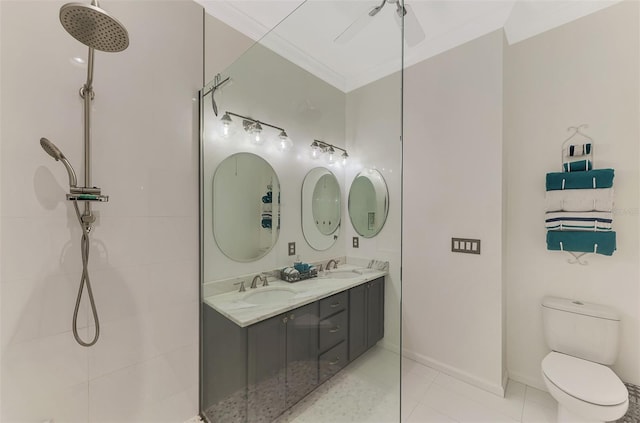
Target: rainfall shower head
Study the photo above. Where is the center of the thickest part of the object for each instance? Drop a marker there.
(94, 27)
(55, 152)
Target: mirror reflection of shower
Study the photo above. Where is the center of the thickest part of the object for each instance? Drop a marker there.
(98, 30)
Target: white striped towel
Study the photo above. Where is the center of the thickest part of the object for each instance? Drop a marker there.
(578, 150)
(580, 200)
(578, 221)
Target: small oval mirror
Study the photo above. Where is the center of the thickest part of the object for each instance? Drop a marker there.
(246, 207)
(321, 208)
(368, 203)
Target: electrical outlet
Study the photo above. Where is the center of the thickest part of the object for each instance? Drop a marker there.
(465, 245)
(292, 248)
(356, 242)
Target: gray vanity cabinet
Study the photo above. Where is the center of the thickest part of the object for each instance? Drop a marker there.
(366, 316)
(282, 362)
(334, 329)
(224, 369)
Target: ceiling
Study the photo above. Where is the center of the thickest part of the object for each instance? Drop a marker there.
(304, 33)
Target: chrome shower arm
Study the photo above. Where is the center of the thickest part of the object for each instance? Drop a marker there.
(73, 180)
(88, 86)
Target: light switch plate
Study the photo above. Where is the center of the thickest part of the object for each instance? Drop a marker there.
(292, 248)
(465, 245)
(356, 242)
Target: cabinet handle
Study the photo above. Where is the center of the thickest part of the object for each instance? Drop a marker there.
(293, 316)
(334, 330)
(336, 361)
(334, 305)
(285, 319)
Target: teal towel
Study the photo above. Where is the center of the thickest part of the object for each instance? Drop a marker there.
(577, 166)
(580, 180)
(582, 242)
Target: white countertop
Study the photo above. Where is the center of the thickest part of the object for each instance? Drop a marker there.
(242, 312)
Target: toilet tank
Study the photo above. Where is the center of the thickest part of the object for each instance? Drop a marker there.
(585, 330)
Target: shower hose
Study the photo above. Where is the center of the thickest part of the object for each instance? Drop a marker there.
(84, 280)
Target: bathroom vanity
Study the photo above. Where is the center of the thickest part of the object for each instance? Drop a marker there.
(261, 359)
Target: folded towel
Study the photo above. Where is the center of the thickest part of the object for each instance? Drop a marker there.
(580, 165)
(579, 200)
(266, 223)
(600, 178)
(578, 150)
(579, 221)
(582, 242)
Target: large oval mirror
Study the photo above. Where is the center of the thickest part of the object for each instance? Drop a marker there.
(246, 207)
(321, 207)
(368, 203)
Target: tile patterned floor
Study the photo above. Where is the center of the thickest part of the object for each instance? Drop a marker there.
(366, 391)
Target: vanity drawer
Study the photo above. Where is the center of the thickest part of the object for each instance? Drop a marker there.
(333, 330)
(333, 360)
(333, 304)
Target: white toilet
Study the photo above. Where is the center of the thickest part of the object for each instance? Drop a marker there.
(584, 340)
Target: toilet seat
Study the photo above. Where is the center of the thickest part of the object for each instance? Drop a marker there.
(585, 388)
(584, 380)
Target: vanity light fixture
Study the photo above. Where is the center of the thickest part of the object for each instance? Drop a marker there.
(319, 147)
(254, 128)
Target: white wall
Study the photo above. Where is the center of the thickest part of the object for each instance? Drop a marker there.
(587, 71)
(222, 46)
(373, 141)
(452, 302)
(144, 249)
(271, 89)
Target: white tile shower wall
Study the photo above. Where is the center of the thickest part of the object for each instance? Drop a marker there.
(452, 303)
(144, 251)
(590, 75)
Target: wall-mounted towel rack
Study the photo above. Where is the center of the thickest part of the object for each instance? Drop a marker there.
(577, 257)
(577, 157)
(579, 202)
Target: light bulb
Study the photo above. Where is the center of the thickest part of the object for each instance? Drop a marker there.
(284, 143)
(345, 156)
(315, 150)
(332, 156)
(226, 123)
(254, 130)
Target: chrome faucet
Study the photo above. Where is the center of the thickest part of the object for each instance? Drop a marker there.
(260, 277)
(335, 264)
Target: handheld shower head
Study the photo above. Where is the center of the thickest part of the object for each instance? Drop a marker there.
(94, 27)
(55, 152)
(51, 149)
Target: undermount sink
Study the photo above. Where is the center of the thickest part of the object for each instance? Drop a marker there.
(269, 296)
(343, 274)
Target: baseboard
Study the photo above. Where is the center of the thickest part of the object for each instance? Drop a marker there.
(394, 348)
(505, 380)
(496, 389)
(527, 380)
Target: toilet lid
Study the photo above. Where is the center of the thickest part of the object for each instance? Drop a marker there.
(585, 380)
